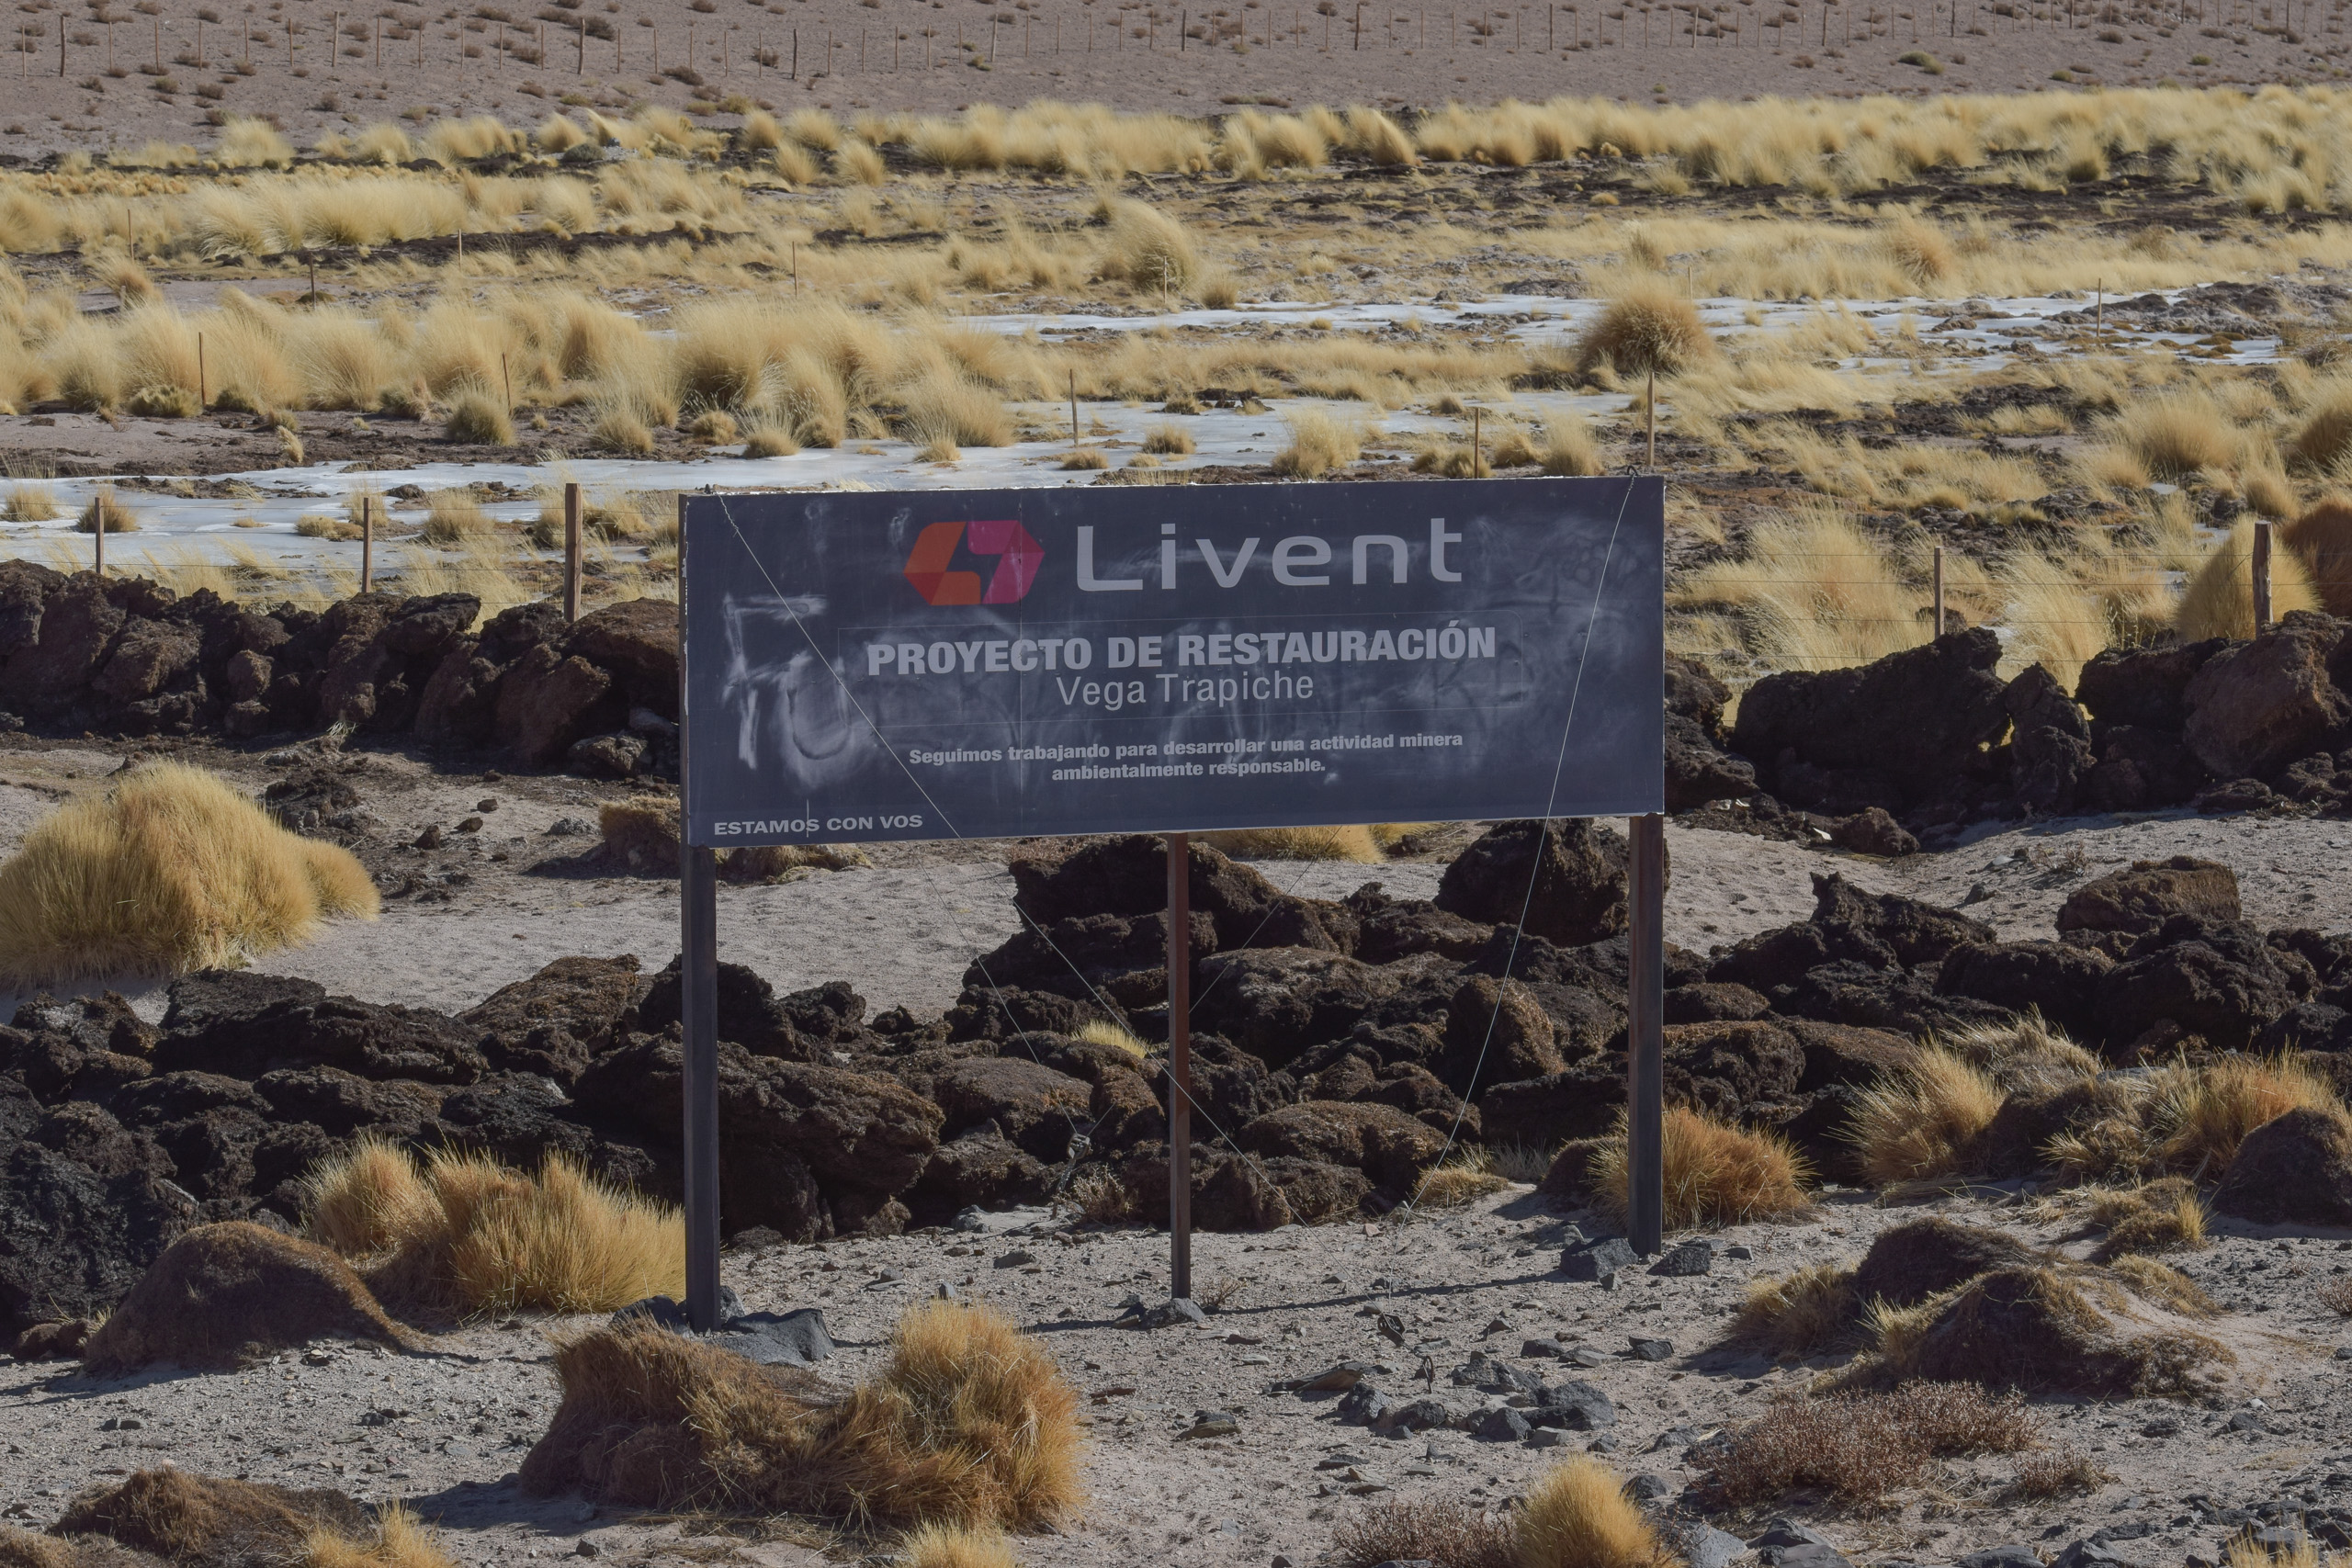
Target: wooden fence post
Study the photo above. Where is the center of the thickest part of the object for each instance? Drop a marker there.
(2261, 578)
(1940, 591)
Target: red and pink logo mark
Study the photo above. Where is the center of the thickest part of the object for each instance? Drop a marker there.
(1018, 557)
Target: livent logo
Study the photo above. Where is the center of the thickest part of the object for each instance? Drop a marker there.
(1018, 557)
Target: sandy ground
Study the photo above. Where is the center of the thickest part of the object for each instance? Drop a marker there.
(447, 1432)
(902, 931)
(444, 1431)
(903, 54)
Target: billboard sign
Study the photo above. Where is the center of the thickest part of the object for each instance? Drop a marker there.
(993, 663)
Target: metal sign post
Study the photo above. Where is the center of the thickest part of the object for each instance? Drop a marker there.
(1180, 1066)
(1646, 1036)
(892, 666)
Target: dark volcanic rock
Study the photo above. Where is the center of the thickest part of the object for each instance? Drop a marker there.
(2296, 1168)
(2219, 981)
(1389, 1147)
(554, 1021)
(246, 1024)
(2057, 979)
(73, 1243)
(2254, 707)
(2140, 899)
(1034, 1106)
(1574, 894)
(1925, 720)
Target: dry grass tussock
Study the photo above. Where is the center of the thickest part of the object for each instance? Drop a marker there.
(2189, 1118)
(2320, 541)
(1318, 444)
(1646, 328)
(1352, 841)
(2163, 1215)
(202, 1519)
(967, 1423)
(2219, 599)
(957, 1546)
(1577, 1515)
(1439, 1533)
(171, 870)
(1859, 1447)
(1102, 1031)
(462, 1233)
(1814, 591)
(1716, 1174)
(1799, 1314)
(1922, 1121)
(1462, 1179)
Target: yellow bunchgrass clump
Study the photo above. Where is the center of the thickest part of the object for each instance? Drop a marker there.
(1169, 440)
(1716, 1174)
(1465, 1179)
(1102, 1031)
(1318, 444)
(1569, 450)
(477, 419)
(2219, 599)
(1084, 458)
(1796, 1314)
(1814, 592)
(1352, 841)
(454, 516)
(967, 1423)
(325, 525)
(2189, 1118)
(1921, 1123)
(466, 1234)
(2177, 435)
(402, 1541)
(1578, 1516)
(103, 513)
(957, 1546)
(2164, 1215)
(1150, 250)
(1646, 328)
(171, 870)
(2326, 438)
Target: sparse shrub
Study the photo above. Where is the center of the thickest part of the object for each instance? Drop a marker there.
(2065, 1471)
(1220, 290)
(179, 1516)
(400, 1540)
(31, 501)
(170, 871)
(468, 1235)
(1318, 444)
(1578, 1516)
(639, 835)
(1716, 1174)
(477, 419)
(162, 402)
(2219, 600)
(1922, 59)
(1646, 328)
(325, 526)
(1859, 1447)
(1441, 1532)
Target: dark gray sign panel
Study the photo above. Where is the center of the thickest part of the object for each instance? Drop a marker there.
(994, 663)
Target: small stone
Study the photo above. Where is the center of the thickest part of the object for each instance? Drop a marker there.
(570, 828)
(1609, 1281)
(1649, 1349)
(1281, 1562)
(1649, 1487)
(1740, 1250)
(1599, 1260)
(2162, 1427)
(1547, 1437)
(317, 1359)
(2344, 1352)
(457, 1449)
(1339, 1460)
(1170, 1313)
(1211, 1424)
(1691, 1259)
(470, 825)
(1543, 1350)
(587, 1549)
(1362, 1405)
(1578, 1407)
(430, 838)
(1015, 1259)
(487, 803)
(1338, 1378)
(1500, 1325)
(1587, 1356)
(1703, 1546)
(2016, 1554)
